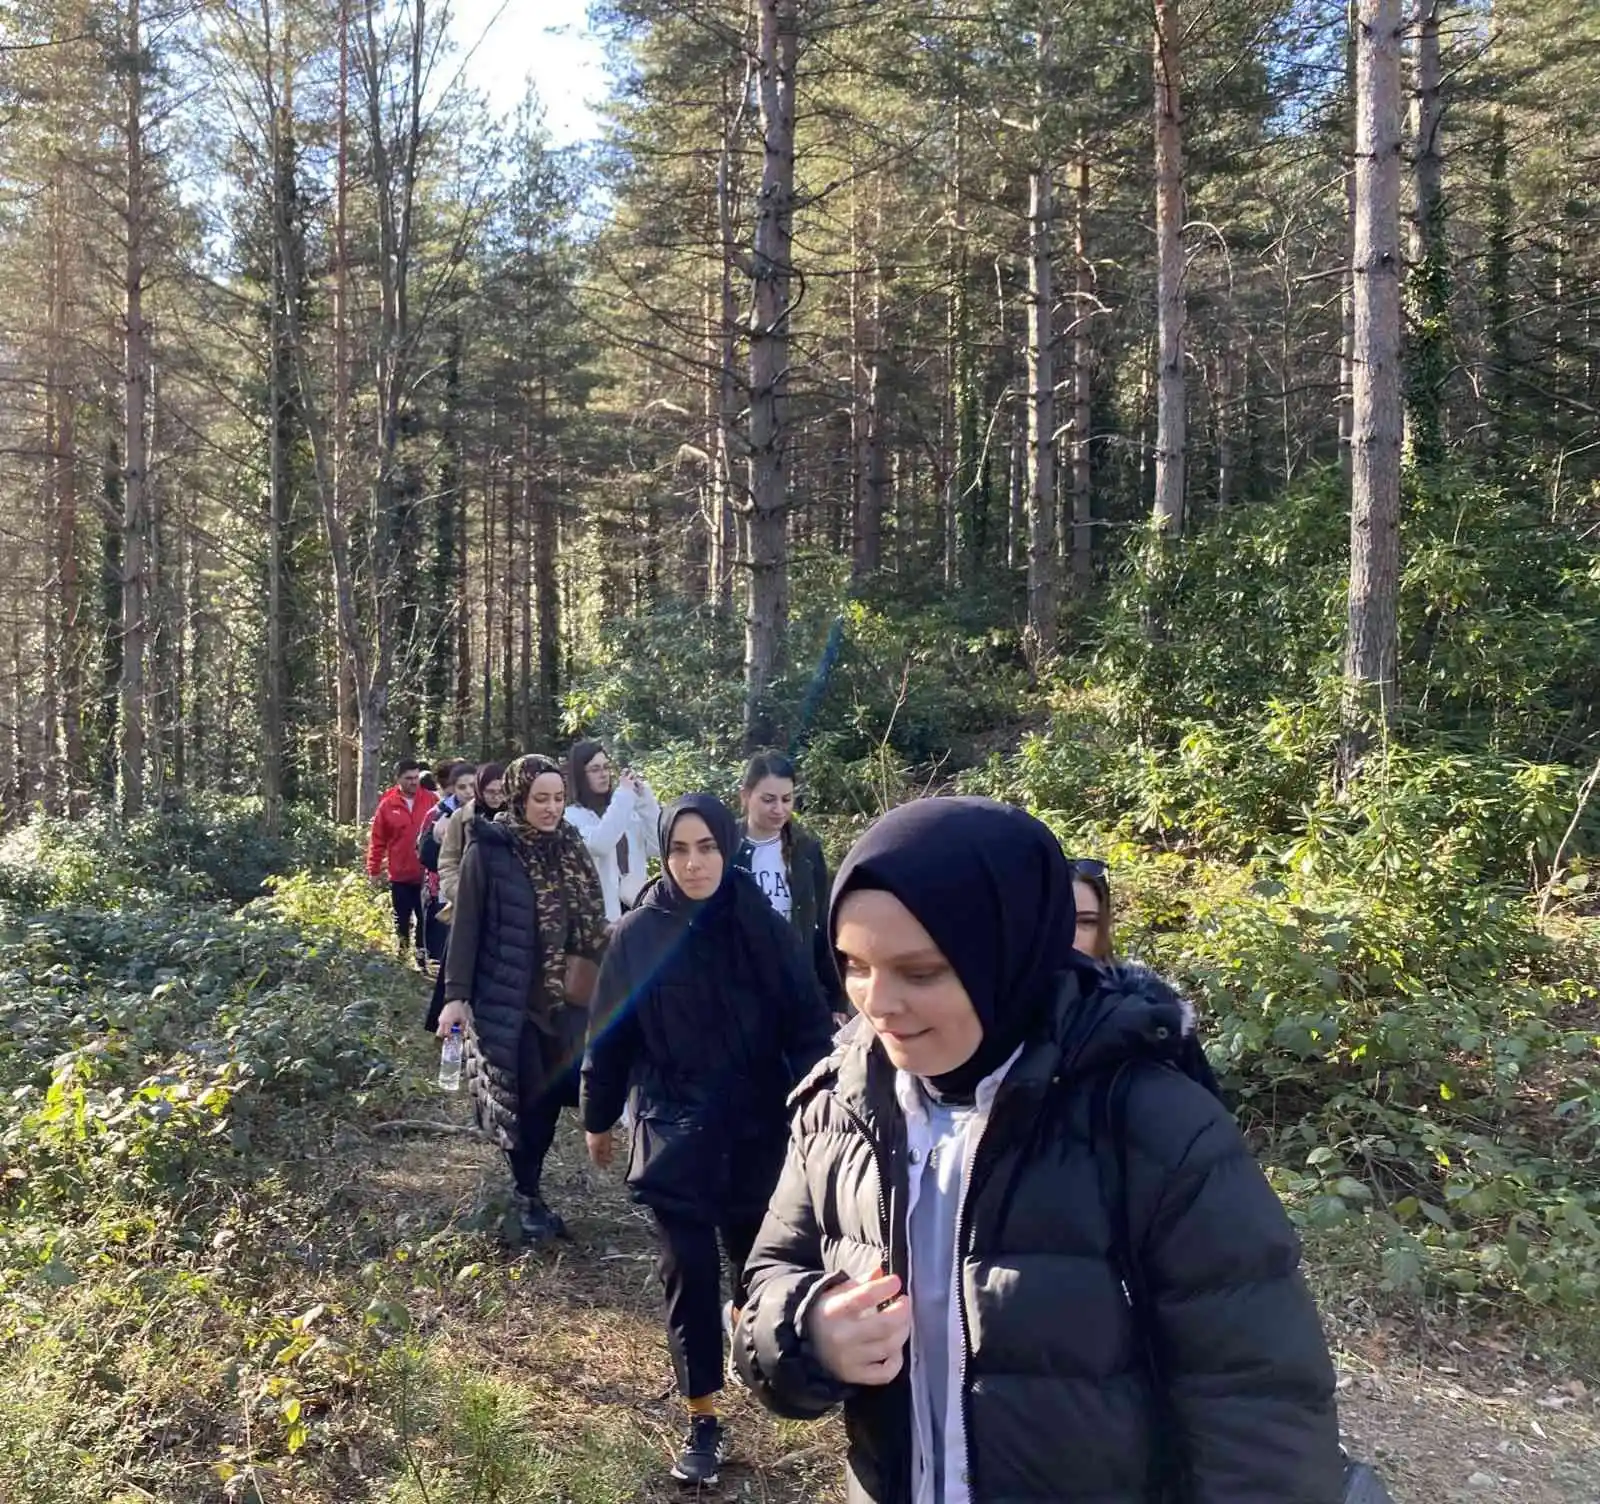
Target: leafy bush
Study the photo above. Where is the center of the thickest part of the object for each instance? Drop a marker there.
(924, 685)
(144, 1050)
(1499, 612)
(208, 848)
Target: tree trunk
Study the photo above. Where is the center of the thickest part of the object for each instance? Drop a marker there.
(867, 543)
(1041, 628)
(443, 605)
(1082, 381)
(768, 606)
(69, 779)
(274, 746)
(135, 438)
(346, 806)
(1347, 286)
(1427, 359)
(546, 583)
(1171, 412)
(1370, 663)
(1497, 304)
(725, 507)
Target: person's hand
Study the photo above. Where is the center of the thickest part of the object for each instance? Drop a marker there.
(376, 879)
(855, 1340)
(602, 1146)
(451, 1014)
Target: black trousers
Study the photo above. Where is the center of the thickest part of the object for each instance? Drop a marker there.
(690, 1265)
(407, 900)
(547, 1081)
(437, 930)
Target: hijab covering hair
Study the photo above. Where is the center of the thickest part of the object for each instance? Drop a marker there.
(991, 886)
(724, 831)
(578, 791)
(735, 933)
(566, 887)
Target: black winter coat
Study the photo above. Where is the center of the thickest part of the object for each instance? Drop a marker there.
(493, 963)
(808, 906)
(1057, 1396)
(707, 1039)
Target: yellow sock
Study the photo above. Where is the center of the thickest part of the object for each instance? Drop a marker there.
(705, 1405)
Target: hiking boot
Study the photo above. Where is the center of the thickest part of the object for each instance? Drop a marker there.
(703, 1450)
(539, 1224)
(734, 1376)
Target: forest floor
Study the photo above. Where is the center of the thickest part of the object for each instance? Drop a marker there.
(1448, 1414)
(350, 1329)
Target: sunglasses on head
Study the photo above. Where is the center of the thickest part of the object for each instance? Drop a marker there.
(1088, 867)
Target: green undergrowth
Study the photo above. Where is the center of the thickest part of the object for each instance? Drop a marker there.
(198, 1299)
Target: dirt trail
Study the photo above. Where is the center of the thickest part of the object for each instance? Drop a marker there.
(579, 1330)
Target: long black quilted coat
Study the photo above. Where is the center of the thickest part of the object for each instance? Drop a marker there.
(1057, 1395)
(494, 964)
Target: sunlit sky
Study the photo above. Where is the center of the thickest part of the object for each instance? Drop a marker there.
(545, 40)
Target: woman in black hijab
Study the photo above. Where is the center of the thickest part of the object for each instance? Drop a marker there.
(706, 1015)
(1023, 1246)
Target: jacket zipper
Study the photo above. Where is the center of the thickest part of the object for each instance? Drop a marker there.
(884, 1199)
(969, 1469)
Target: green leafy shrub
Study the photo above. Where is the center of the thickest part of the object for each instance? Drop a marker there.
(926, 684)
(1499, 613)
(208, 848)
(144, 1050)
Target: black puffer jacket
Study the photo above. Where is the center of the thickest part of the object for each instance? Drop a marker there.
(1057, 1400)
(493, 963)
(709, 1032)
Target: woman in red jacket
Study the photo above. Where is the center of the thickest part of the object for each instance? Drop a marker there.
(399, 818)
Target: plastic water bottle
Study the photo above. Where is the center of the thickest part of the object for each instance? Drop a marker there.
(450, 1061)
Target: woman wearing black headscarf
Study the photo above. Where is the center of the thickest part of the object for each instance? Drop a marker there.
(1028, 1252)
(705, 1017)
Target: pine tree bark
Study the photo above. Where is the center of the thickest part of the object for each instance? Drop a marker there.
(280, 291)
(69, 778)
(867, 542)
(726, 506)
(546, 582)
(1429, 275)
(1172, 441)
(1371, 674)
(1042, 603)
(347, 808)
(766, 620)
(132, 707)
(1083, 301)
(1347, 286)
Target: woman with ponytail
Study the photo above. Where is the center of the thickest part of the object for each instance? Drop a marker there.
(786, 860)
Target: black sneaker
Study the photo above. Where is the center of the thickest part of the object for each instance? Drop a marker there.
(702, 1453)
(540, 1224)
(421, 958)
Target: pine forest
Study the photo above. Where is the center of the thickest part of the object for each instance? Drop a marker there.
(1180, 418)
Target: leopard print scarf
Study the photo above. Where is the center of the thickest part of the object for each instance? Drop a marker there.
(566, 887)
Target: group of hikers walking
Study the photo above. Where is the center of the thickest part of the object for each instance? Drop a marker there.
(970, 1175)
